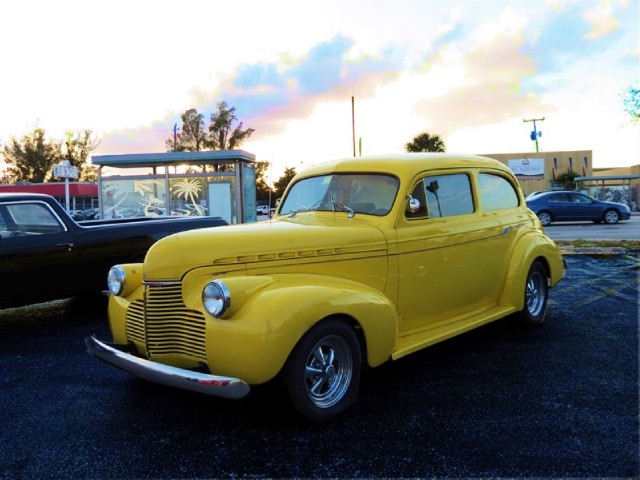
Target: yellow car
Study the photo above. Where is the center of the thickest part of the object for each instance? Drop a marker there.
(366, 260)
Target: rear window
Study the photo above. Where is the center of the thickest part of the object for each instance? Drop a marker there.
(496, 192)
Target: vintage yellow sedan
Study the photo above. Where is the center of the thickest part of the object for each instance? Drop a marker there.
(366, 260)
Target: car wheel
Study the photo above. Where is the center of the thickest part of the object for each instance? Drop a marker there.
(322, 373)
(536, 293)
(611, 217)
(545, 218)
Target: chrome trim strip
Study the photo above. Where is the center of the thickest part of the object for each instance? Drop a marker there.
(225, 387)
(160, 284)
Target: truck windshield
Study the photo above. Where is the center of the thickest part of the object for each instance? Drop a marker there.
(371, 194)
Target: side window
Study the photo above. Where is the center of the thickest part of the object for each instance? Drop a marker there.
(33, 218)
(448, 195)
(559, 197)
(496, 192)
(578, 198)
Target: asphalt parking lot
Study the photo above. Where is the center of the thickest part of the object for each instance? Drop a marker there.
(501, 401)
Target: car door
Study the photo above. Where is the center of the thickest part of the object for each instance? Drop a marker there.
(447, 254)
(561, 206)
(37, 258)
(584, 207)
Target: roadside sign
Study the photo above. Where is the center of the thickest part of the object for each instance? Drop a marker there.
(65, 170)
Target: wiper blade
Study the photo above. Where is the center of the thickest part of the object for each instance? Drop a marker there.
(343, 208)
(304, 209)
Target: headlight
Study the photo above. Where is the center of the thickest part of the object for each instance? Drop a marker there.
(216, 298)
(116, 280)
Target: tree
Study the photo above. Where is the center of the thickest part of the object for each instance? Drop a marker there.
(76, 148)
(631, 102)
(567, 179)
(32, 158)
(192, 136)
(425, 142)
(222, 133)
(281, 184)
(263, 190)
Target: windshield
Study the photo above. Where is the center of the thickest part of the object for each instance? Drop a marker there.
(372, 194)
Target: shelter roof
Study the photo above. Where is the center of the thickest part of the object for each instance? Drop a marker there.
(135, 160)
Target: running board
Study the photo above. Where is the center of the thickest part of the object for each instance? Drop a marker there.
(415, 341)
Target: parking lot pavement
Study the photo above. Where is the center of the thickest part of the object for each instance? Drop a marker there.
(552, 402)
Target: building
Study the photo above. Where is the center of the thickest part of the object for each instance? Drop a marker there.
(539, 171)
(82, 195)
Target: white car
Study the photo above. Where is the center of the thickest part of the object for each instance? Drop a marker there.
(262, 210)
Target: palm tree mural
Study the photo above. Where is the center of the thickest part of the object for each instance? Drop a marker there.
(190, 191)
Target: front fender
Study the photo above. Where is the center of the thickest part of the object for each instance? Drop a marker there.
(530, 247)
(270, 314)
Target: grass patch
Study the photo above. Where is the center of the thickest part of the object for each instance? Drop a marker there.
(583, 243)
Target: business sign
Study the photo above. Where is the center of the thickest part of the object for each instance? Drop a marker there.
(527, 168)
(65, 170)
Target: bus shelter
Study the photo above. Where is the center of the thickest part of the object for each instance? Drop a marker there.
(612, 188)
(218, 183)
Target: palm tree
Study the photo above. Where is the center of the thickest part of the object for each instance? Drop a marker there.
(425, 142)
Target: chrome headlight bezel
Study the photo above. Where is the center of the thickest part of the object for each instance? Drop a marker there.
(116, 280)
(216, 298)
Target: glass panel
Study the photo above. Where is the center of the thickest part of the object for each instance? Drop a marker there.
(363, 193)
(34, 218)
(249, 192)
(449, 195)
(496, 192)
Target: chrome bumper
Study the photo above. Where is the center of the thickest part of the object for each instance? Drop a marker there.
(225, 387)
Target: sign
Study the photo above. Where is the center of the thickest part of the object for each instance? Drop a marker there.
(527, 168)
(65, 170)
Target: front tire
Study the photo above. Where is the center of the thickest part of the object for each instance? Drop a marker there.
(322, 373)
(611, 217)
(536, 294)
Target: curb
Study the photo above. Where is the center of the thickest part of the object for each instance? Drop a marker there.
(603, 251)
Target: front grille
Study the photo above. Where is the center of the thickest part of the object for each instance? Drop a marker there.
(164, 325)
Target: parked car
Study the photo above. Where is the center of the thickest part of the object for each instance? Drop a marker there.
(46, 255)
(534, 193)
(367, 260)
(560, 206)
(262, 210)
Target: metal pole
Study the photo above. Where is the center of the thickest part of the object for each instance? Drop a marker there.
(353, 124)
(66, 193)
(535, 130)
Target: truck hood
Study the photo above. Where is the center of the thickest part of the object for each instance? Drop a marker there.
(283, 241)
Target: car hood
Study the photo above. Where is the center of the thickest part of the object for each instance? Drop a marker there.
(234, 246)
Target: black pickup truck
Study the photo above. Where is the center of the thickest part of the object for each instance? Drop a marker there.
(46, 255)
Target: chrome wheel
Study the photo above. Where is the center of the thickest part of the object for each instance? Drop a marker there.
(322, 373)
(328, 371)
(536, 293)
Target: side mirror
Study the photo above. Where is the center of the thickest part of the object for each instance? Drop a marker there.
(414, 204)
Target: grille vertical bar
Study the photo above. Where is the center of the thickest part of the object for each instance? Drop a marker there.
(165, 325)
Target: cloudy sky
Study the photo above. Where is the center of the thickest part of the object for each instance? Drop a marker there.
(469, 70)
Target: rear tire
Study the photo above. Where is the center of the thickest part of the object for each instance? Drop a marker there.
(545, 218)
(536, 294)
(322, 373)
